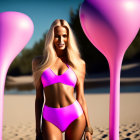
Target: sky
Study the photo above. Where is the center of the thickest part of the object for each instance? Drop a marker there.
(42, 13)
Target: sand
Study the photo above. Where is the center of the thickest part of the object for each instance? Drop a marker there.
(19, 116)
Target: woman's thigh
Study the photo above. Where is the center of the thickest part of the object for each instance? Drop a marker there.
(50, 131)
(76, 128)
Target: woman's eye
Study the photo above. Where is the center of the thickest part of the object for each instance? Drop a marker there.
(64, 35)
(56, 36)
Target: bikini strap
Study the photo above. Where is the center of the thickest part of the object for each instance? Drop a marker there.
(67, 65)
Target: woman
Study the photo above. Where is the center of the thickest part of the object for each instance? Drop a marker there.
(57, 73)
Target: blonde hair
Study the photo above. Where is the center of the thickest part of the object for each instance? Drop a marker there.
(49, 53)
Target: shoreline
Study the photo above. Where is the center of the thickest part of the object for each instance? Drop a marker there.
(26, 82)
(129, 74)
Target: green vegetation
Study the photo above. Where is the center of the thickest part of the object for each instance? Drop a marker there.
(22, 65)
(95, 61)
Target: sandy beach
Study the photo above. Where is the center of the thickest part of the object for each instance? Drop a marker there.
(19, 118)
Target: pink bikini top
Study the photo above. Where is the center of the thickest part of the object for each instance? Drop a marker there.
(48, 77)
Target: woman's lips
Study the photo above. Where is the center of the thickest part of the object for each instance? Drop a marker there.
(60, 45)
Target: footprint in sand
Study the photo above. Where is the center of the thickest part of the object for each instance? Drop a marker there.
(104, 136)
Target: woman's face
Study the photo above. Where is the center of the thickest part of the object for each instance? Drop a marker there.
(60, 37)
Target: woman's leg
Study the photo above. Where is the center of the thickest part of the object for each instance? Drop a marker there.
(76, 128)
(50, 131)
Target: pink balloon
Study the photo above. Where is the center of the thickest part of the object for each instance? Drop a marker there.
(111, 25)
(16, 30)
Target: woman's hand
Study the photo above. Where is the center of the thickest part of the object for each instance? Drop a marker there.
(87, 136)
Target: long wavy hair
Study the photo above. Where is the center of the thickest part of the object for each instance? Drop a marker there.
(49, 54)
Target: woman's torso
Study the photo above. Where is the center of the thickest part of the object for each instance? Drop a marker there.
(59, 94)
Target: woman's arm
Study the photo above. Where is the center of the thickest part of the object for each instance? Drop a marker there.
(38, 107)
(39, 100)
(80, 93)
(80, 96)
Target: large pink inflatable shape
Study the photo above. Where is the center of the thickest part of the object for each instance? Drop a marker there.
(111, 25)
(16, 30)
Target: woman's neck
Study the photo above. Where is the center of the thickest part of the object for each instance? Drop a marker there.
(62, 55)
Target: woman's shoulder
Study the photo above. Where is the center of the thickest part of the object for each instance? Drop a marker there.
(82, 64)
(81, 71)
(36, 61)
(81, 67)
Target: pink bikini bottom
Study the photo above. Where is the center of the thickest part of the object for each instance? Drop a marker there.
(64, 116)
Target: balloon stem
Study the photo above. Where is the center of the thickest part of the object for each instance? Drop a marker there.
(114, 109)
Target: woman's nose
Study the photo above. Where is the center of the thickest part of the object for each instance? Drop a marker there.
(61, 39)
